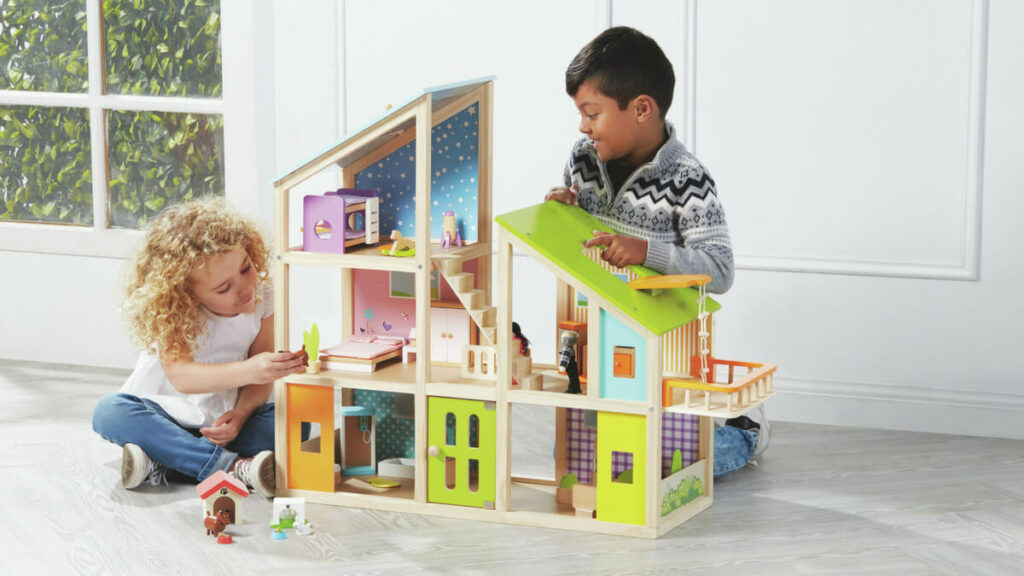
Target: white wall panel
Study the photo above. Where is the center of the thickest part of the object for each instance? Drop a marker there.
(846, 123)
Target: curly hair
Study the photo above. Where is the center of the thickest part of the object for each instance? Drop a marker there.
(159, 305)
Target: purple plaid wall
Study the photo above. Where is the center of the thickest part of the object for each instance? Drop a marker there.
(679, 432)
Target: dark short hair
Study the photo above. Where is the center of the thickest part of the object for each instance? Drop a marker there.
(625, 64)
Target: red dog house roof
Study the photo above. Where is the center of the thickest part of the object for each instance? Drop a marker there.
(220, 479)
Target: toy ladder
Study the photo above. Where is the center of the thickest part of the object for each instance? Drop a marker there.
(472, 299)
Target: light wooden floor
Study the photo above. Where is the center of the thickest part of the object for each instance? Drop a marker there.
(826, 500)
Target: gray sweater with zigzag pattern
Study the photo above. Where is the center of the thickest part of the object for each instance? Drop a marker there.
(670, 201)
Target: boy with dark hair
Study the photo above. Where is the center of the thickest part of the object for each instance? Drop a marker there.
(631, 173)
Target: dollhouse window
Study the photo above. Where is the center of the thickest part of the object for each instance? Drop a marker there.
(449, 429)
(622, 467)
(312, 444)
(403, 285)
(474, 424)
(624, 364)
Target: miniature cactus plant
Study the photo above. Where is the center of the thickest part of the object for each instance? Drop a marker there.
(311, 344)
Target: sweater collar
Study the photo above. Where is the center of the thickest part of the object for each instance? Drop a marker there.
(670, 151)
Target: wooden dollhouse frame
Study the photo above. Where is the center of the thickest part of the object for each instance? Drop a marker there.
(461, 411)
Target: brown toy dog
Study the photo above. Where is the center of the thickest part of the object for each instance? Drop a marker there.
(215, 524)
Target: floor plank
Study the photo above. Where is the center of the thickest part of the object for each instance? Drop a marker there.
(825, 500)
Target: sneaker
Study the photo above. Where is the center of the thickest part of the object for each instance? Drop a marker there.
(257, 472)
(764, 435)
(137, 468)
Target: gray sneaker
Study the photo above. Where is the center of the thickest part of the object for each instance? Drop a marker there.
(257, 472)
(764, 434)
(138, 469)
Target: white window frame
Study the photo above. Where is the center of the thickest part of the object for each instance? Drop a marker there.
(241, 23)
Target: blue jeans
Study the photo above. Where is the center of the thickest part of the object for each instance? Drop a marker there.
(123, 418)
(733, 448)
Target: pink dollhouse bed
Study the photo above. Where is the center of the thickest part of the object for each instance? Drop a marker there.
(362, 352)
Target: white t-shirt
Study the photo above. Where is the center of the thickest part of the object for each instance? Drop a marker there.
(225, 340)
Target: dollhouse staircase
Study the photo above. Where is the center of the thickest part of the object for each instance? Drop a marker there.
(474, 300)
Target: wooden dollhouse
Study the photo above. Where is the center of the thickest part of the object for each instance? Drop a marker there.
(633, 451)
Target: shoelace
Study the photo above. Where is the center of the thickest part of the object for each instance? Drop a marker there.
(155, 474)
(244, 473)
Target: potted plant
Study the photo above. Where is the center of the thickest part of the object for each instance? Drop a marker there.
(311, 344)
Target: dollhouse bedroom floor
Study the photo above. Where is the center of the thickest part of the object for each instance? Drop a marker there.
(825, 500)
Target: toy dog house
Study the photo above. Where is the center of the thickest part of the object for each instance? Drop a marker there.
(222, 492)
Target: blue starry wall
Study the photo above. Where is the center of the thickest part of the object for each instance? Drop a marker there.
(395, 436)
(453, 184)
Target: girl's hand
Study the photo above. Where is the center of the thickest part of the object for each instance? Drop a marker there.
(266, 367)
(620, 250)
(563, 195)
(225, 428)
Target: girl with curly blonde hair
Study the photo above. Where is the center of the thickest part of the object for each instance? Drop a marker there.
(198, 298)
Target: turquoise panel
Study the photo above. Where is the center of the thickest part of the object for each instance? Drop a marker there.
(615, 333)
(396, 437)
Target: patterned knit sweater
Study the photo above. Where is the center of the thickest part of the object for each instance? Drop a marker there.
(670, 201)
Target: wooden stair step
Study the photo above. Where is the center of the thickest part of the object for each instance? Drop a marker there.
(484, 317)
(461, 282)
(474, 298)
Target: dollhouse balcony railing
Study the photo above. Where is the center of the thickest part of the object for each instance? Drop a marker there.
(736, 394)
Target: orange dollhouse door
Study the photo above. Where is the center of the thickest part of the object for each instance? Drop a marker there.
(621, 467)
(461, 464)
(310, 463)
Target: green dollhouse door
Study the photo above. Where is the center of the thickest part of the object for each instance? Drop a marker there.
(461, 452)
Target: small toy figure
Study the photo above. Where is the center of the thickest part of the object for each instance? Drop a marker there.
(524, 342)
(215, 524)
(401, 246)
(288, 517)
(567, 361)
(450, 236)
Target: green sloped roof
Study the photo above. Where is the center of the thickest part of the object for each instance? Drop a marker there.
(558, 232)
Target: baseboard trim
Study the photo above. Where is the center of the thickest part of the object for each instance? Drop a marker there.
(899, 407)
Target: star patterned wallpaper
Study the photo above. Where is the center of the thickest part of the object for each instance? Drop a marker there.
(453, 183)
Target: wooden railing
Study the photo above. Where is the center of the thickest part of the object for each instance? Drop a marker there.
(738, 393)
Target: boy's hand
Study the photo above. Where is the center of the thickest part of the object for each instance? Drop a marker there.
(563, 195)
(620, 250)
(224, 429)
(266, 367)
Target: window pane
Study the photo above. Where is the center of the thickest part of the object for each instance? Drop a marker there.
(163, 47)
(43, 46)
(158, 159)
(45, 174)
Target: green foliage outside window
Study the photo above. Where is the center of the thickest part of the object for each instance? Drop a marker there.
(43, 46)
(167, 48)
(163, 47)
(161, 158)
